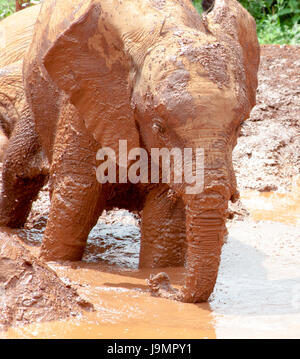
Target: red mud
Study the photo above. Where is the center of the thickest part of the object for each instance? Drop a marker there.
(29, 290)
(267, 155)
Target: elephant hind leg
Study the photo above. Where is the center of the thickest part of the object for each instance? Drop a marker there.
(163, 230)
(25, 171)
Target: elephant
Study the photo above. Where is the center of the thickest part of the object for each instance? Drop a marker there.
(16, 33)
(12, 97)
(24, 164)
(156, 75)
(24, 160)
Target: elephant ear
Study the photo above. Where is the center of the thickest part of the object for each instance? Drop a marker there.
(230, 21)
(87, 61)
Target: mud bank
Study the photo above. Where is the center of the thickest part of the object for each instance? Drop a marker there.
(30, 291)
(267, 155)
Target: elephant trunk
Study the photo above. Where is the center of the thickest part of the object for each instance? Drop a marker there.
(205, 229)
(205, 224)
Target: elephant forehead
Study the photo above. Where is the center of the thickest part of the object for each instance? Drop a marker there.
(210, 110)
(172, 93)
(185, 97)
(211, 61)
(188, 68)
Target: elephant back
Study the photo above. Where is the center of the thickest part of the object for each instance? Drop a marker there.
(16, 33)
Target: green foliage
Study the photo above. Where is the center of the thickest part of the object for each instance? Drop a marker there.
(278, 21)
(7, 7)
(198, 5)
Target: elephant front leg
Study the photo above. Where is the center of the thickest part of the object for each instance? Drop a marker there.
(163, 230)
(75, 192)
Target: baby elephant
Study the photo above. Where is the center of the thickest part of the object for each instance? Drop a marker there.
(156, 76)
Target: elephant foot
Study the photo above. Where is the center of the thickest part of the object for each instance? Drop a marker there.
(160, 286)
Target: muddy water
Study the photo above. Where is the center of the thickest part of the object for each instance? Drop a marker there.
(123, 310)
(257, 294)
(274, 206)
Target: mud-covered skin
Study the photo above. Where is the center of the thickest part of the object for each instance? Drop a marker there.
(17, 31)
(15, 36)
(12, 97)
(145, 72)
(25, 167)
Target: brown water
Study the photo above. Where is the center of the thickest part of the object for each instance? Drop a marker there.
(257, 294)
(274, 206)
(124, 309)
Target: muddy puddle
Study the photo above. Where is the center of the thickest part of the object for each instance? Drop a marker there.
(275, 206)
(257, 294)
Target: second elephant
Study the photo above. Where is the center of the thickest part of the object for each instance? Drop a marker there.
(25, 168)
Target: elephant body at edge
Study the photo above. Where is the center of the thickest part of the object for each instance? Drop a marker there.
(25, 168)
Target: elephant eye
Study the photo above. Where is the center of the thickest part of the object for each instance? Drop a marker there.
(158, 127)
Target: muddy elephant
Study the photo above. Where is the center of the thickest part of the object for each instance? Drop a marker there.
(24, 163)
(16, 33)
(154, 74)
(15, 36)
(25, 167)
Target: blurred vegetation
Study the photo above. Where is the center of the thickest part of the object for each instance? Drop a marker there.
(278, 21)
(7, 7)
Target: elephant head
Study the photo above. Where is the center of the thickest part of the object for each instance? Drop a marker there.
(161, 76)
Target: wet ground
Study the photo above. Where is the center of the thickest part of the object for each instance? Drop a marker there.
(257, 294)
(267, 155)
